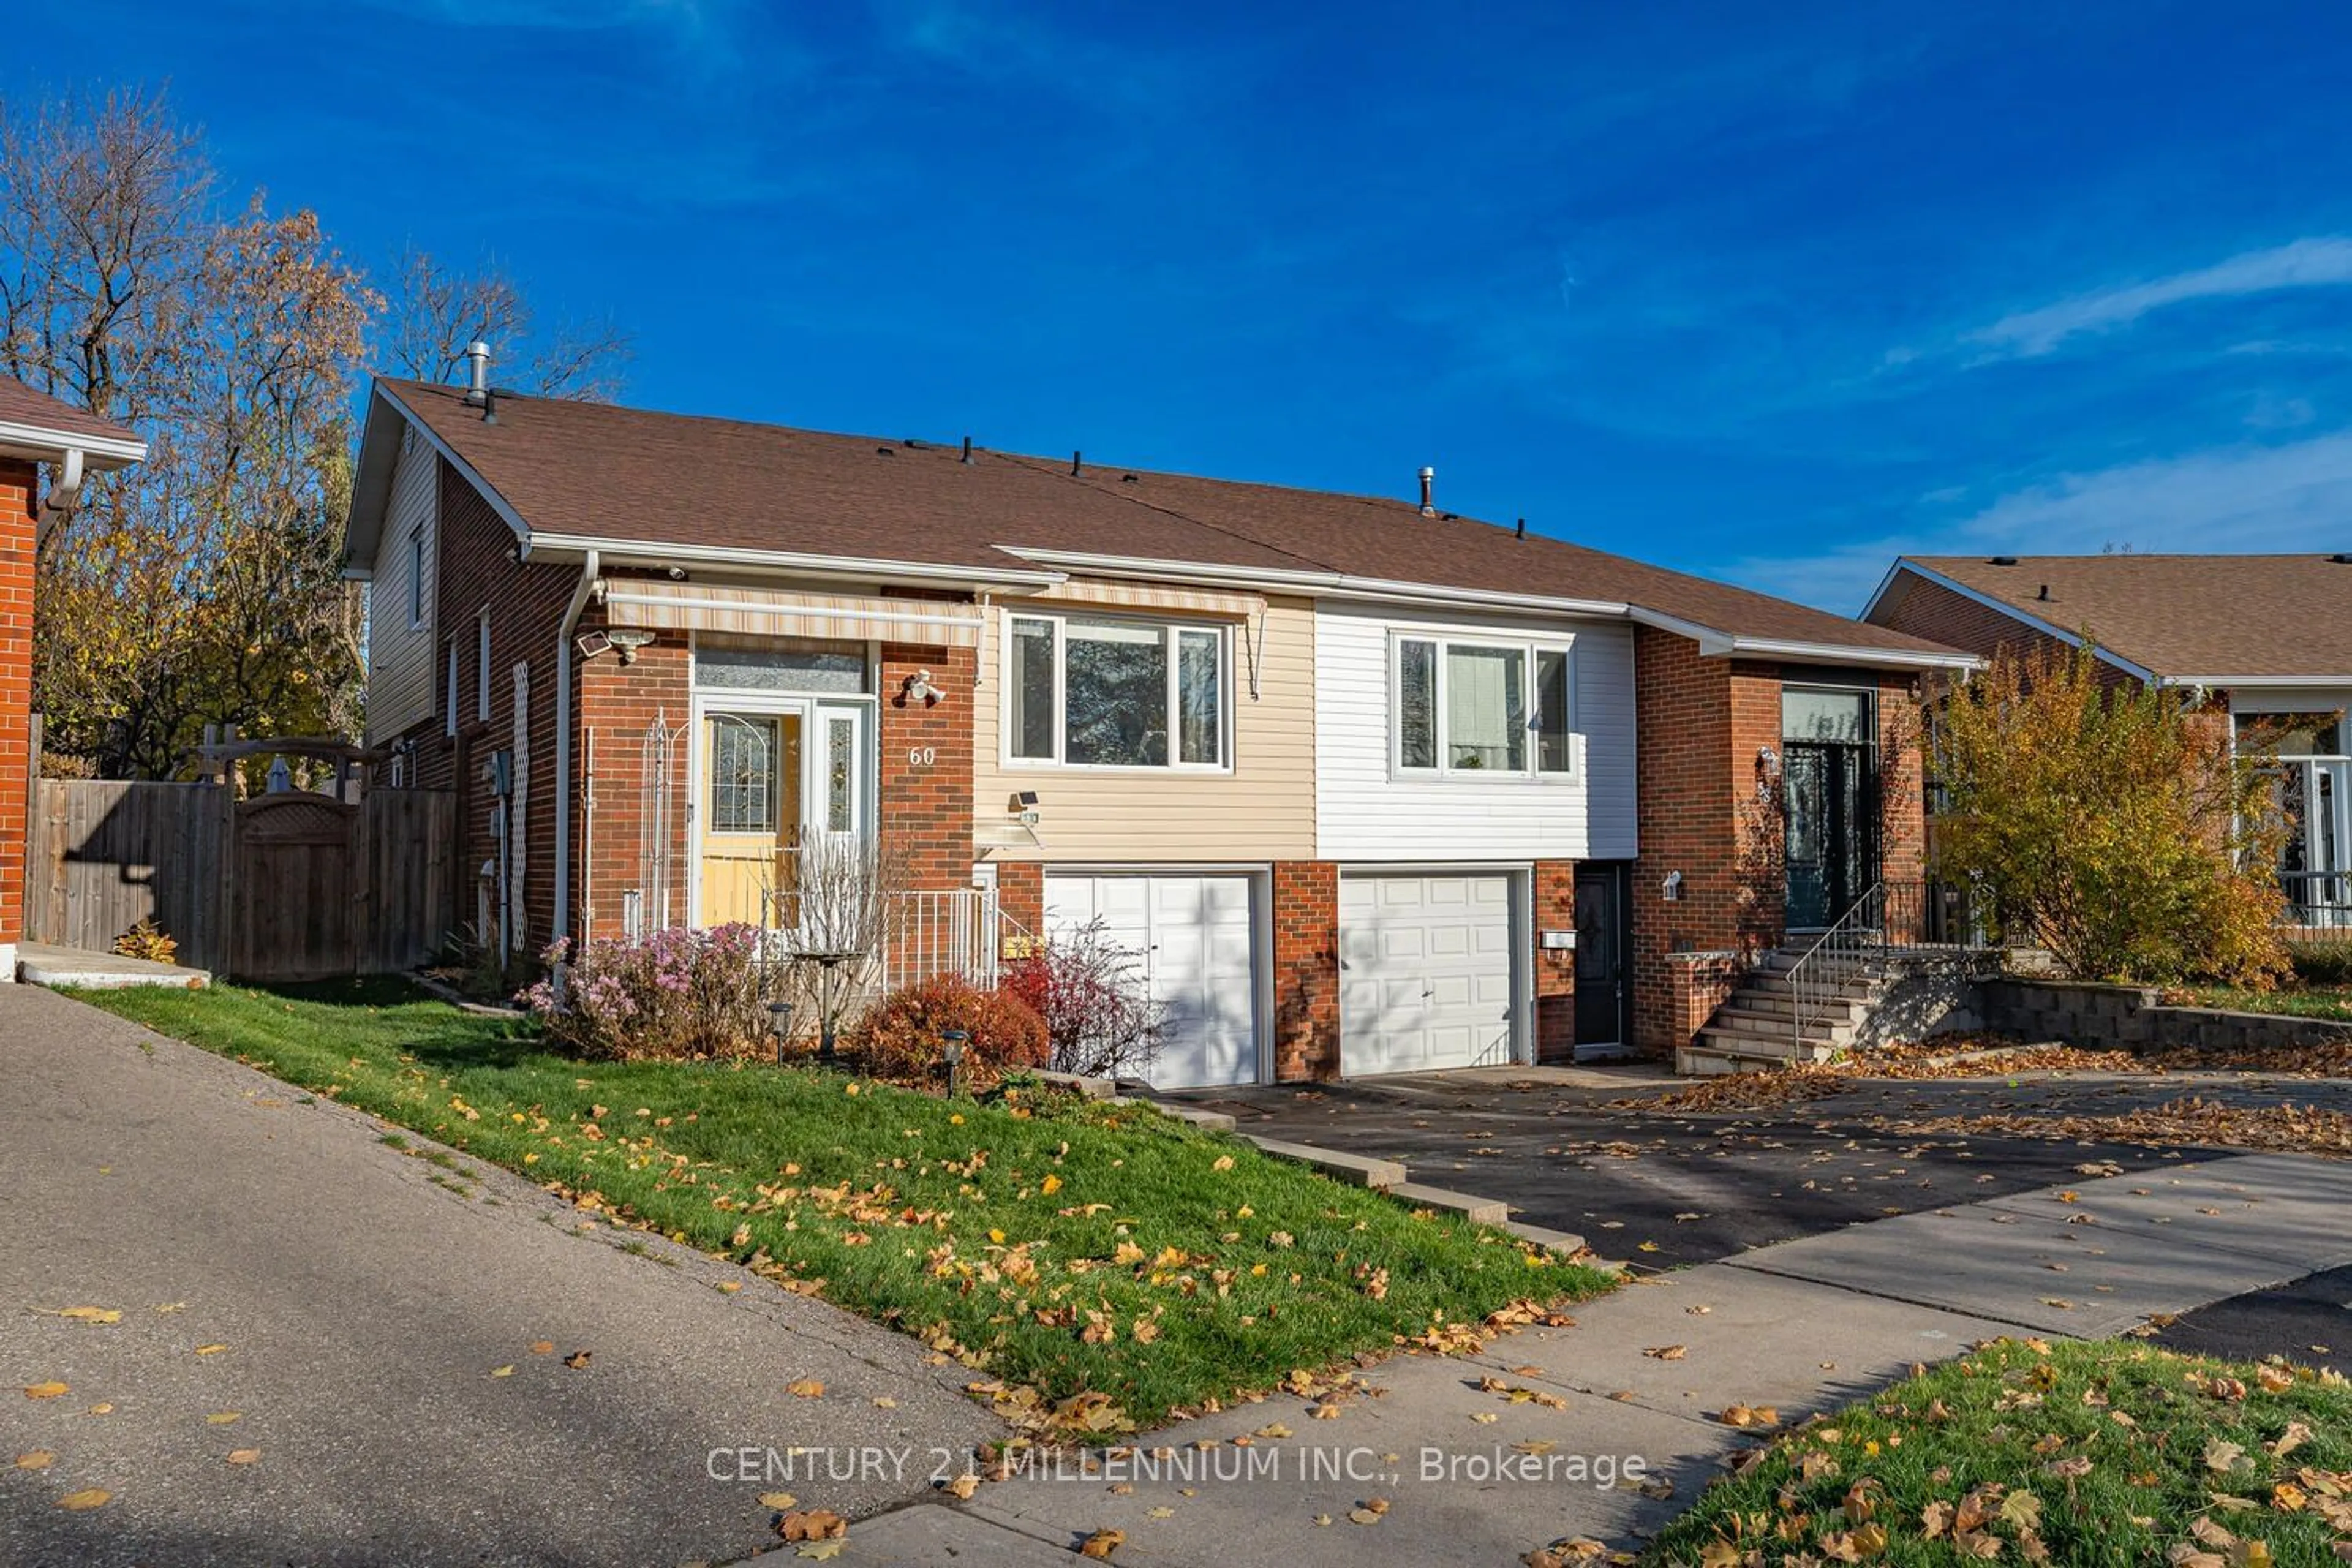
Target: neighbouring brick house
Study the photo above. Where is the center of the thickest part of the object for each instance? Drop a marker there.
(1372, 787)
(35, 431)
(2264, 640)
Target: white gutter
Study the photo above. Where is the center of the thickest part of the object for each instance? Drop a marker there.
(33, 440)
(588, 569)
(1713, 644)
(853, 568)
(2257, 683)
(1332, 584)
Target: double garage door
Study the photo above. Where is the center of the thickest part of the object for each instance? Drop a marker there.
(1426, 973)
(1427, 978)
(1193, 937)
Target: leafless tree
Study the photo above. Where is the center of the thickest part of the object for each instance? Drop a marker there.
(432, 311)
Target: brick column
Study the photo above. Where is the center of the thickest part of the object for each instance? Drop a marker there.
(1306, 970)
(19, 482)
(1021, 895)
(925, 775)
(1555, 969)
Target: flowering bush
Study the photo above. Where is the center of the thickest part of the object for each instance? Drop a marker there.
(899, 1034)
(1097, 1008)
(673, 996)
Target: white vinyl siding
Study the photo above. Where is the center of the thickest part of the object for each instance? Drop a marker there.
(401, 649)
(1369, 807)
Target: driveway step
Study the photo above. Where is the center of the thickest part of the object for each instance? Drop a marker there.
(1356, 1169)
(1486, 1211)
(1563, 1242)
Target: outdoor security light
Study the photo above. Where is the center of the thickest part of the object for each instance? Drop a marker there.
(629, 642)
(918, 689)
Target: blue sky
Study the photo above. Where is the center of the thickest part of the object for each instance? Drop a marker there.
(1764, 292)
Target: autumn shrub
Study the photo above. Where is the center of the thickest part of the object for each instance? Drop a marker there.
(2322, 962)
(147, 940)
(900, 1037)
(675, 996)
(1096, 1004)
(2109, 824)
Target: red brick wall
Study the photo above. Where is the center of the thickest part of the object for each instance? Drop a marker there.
(1021, 894)
(1306, 970)
(619, 704)
(19, 485)
(925, 764)
(1555, 972)
(1687, 798)
(526, 601)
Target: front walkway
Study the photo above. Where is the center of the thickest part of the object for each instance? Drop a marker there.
(1797, 1327)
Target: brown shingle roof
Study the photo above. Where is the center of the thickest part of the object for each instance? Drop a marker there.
(21, 405)
(621, 475)
(2278, 615)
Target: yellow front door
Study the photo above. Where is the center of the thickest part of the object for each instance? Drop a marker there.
(750, 817)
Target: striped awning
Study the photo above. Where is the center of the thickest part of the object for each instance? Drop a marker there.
(1157, 596)
(696, 606)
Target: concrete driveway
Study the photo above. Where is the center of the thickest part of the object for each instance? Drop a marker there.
(352, 1305)
(1562, 1147)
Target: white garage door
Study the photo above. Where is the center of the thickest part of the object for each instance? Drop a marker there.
(1194, 936)
(1424, 972)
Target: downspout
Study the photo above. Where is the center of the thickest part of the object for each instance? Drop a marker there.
(590, 581)
(63, 496)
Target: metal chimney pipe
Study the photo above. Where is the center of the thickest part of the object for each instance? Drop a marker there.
(477, 372)
(1429, 492)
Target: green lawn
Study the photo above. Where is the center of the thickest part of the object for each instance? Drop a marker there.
(1072, 1249)
(2298, 1000)
(2108, 1453)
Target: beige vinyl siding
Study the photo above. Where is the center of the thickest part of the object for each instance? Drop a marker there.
(402, 679)
(1264, 809)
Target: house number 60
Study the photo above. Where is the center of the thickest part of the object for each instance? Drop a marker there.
(921, 756)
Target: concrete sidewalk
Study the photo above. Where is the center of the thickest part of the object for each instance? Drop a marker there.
(1800, 1326)
(362, 1301)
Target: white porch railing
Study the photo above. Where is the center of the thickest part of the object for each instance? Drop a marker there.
(953, 931)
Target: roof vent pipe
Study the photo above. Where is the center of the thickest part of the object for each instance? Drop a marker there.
(2044, 594)
(1078, 463)
(1429, 492)
(967, 449)
(478, 374)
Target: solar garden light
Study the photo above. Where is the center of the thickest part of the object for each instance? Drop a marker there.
(779, 1023)
(951, 1043)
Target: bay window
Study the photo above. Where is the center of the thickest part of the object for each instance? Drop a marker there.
(1490, 708)
(1101, 691)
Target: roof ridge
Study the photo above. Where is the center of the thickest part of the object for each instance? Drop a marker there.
(1053, 470)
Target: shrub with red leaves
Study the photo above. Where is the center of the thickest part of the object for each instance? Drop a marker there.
(900, 1037)
(1095, 1000)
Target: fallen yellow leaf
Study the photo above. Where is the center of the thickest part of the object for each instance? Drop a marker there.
(778, 1500)
(38, 1459)
(221, 1418)
(210, 1350)
(45, 1390)
(502, 1371)
(243, 1455)
(805, 1388)
(88, 1498)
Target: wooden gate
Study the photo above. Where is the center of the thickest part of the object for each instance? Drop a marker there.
(285, 887)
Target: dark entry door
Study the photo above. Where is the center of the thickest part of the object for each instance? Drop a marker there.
(1602, 996)
(1833, 839)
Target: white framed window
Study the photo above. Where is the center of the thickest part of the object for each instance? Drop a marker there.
(1476, 706)
(415, 578)
(449, 692)
(482, 665)
(1109, 692)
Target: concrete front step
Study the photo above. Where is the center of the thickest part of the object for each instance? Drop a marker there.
(1761, 1014)
(1736, 1015)
(1706, 1060)
(1778, 1047)
(1763, 984)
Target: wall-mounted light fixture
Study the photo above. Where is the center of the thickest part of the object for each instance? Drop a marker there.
(628, 640)
(588, 644)
(1671, 892)
(917, 687)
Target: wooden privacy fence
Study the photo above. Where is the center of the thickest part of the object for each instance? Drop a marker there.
(284, 887)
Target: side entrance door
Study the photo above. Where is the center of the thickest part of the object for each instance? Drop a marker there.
(1603, 994)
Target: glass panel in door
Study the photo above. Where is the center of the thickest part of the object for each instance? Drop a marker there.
(751, 816)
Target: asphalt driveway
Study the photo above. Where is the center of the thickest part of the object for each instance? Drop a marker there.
(1660, 1188)
(325, 1352)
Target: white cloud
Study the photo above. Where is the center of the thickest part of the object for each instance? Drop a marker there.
(2304, 264)
(2295, 498)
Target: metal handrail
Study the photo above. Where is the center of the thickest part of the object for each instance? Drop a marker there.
(1813, 978)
